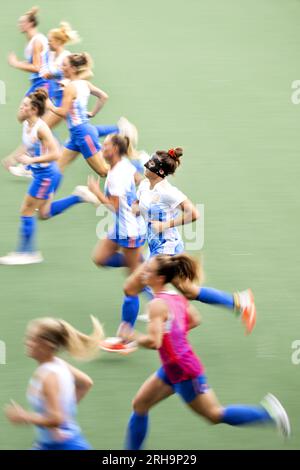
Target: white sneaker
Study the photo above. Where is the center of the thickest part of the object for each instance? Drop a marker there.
(129, 130)
(86, 195)
(144, 317)
(15, 259)
(20, 170)
(278, 413)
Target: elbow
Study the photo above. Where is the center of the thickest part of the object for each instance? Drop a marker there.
(89, 384)
(155, 344)
(56, 420)
(104, 97)
(103, 173)
(195, 215)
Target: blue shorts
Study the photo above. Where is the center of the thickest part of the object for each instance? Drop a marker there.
(45, 182)
(187, 389)
(55, 92)
(84, 140)
(127, 242)
(38, 83)
(166, 248)
(76, 443)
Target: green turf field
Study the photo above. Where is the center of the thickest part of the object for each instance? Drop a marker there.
(214, 77)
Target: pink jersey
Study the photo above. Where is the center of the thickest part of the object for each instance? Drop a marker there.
(178, 358)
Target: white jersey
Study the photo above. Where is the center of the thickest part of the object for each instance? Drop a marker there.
(67, 399)
(44, 55)
(120, 182)
(78, 112)
(32, 143)
(160, 204)
(56, 62)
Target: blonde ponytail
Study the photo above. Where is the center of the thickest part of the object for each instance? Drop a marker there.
(81, 346)
(61, 335)
(65, 34)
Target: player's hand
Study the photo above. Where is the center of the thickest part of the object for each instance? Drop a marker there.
(90, 114)
(7, 162)
(135, 208)
(12, 59)
(93, 184)
(25, 159)
(15, 413)
(158, 226)
(47, 75)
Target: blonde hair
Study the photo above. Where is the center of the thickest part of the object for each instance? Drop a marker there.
(62, 335)
(83, 64)
(65, 34)
(32, 15)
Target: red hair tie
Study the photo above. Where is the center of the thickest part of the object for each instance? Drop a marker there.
(172, 153)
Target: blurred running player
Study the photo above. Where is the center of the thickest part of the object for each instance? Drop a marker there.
(77, 68)
(56, 386)
(122, 246)
(182, 372)
(36, 51)
(40, 152)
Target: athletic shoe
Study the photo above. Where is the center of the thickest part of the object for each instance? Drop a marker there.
(129, 130)
(86, 195)
(20, 170)
(116, 345)
(15, 259)
(247, 309)
(278, 413)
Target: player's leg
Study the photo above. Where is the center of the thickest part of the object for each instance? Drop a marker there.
(270, 411)
(67, 157)
(104, 251)
(242, 302)
(153, 391)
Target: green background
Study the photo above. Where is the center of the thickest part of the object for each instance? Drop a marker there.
(215, 78)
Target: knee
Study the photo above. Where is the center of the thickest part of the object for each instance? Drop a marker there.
(214, 415)
(43, 215)
(139, 406)
(129, 289)
(98, 261)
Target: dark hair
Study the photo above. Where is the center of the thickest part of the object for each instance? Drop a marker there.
(38, 100)
(181, 266)
(121, 142)
(32, 16)
(170, 159)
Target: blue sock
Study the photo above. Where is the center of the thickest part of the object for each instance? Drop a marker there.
(130, 309)
(237, 415)
(105, 130)
(208, 295)
(117, 260)
(136, 431)
(148, 292)
(27, 234)
(57, 207)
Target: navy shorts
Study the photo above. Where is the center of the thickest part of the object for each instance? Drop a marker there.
(187, 389)
(84, 140)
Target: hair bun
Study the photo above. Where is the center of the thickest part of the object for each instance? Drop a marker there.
(41, 94)
(175, 152)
